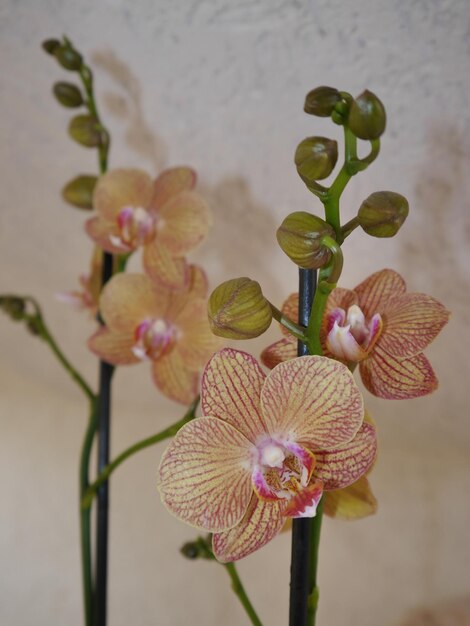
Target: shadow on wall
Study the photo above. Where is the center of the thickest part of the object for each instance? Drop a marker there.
(452, 613)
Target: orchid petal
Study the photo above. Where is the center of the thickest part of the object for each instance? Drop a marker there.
(115, 348)
(230, 390)
(163, 268)
(347, 463)
(128, 299)
(353, 502)
(106, 234)
(170, 183)
(304, 503)
(278, 352)
(183, 222)
(387, 377)
(205, 476)
(341, 343)
(174, 378)
(122, 188)
(413, 320)
(196, 341)
(198, 284)
(261, 523)
(313, 401)
(377, 290)
(290, 309)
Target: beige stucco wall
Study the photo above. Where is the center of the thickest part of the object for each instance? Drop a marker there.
(220, 85)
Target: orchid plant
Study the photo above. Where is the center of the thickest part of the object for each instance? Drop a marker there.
(273, 445)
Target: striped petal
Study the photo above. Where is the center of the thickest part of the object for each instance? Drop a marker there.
(198, 284)
(127, 299)
(106, 234)
(314, 401)
(353, 502)
(196, 341)
(413, 320)
(122, 188)
(174, 379)
(278, 352)
(377, 290)
(115, 348)
(171, 181)
(163, 268)
(343, 466)
(261, 523)
(183, 222)
(387, 377)
(204, 475)
(231, 389)
(290, 309)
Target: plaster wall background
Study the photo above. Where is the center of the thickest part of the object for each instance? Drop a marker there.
(220, 85)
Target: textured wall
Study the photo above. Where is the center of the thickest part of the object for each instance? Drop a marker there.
(219, 85)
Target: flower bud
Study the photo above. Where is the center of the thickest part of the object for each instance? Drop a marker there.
(321, 101)
(50, 45)
(383, 213)
(300, 236)
(69, 58)
(84, 129)
(13, 306)
(315, 158)
(237, 309)
(79, 191)
(68, 95)
(367, 118)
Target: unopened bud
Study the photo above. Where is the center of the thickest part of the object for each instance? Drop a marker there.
(50, 45)
(367, 117)
(79, 191)
(300, 236)
(321, 101)
(237, 309)
(13, 306)
(68, 94)
(190, 550)
(85, 130)
(69, 58)
(383, 213)
(315, 158)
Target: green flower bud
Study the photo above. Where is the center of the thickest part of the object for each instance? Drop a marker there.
(315, 158)
(13, 306)
(85, 130)
(300, 236)
(33, 327)
(321, 101)
(367, 118)
(190, 550)
(237, 309)
(69, 58)
(68, 95)
(79, 191)
(383, 213)
(50, 45)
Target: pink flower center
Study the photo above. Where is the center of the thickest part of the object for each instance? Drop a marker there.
(350, 336)
(154, 337)
(136, 227)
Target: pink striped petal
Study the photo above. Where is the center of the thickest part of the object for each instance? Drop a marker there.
(196, 341)
(377, 290)
(115, 348)
(174, 378)
(261, 523)
(347, 463)
(314, 401)
(231, 389)
(205, 476)
(163, 268)
(183, 222)
(171, 182)
(353, 502)
(290, 309)
(387, 377)
(198, 283)
(278, 352)
(128, 299)
(413, 320)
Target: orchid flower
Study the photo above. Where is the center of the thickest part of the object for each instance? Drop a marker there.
(384, 329)
(165, 217)
(266, 448)
(146, 322)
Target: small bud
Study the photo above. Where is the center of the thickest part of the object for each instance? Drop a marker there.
(69, 58)
(237, 309)
(315, 158)
(383, 213)
(85, 130)
(321, 101)
(79, 191)
(13, 306)
(367, 118)
(68, 95)
(300, 236)
(50, 45)
(190, 550)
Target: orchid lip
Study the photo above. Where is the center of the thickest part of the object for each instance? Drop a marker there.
(350, 336)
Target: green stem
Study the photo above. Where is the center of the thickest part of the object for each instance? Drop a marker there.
(291, 326)
(315, 529)
(348, 228)
(103, 149)
(240, 592)
(90, 493)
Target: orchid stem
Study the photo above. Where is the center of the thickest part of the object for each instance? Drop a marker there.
(171, 431)
(240, 592)
(295, 329)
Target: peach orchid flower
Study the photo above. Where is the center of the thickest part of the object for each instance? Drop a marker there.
(266, 448)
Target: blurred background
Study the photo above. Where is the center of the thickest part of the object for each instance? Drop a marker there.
(219, 85)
